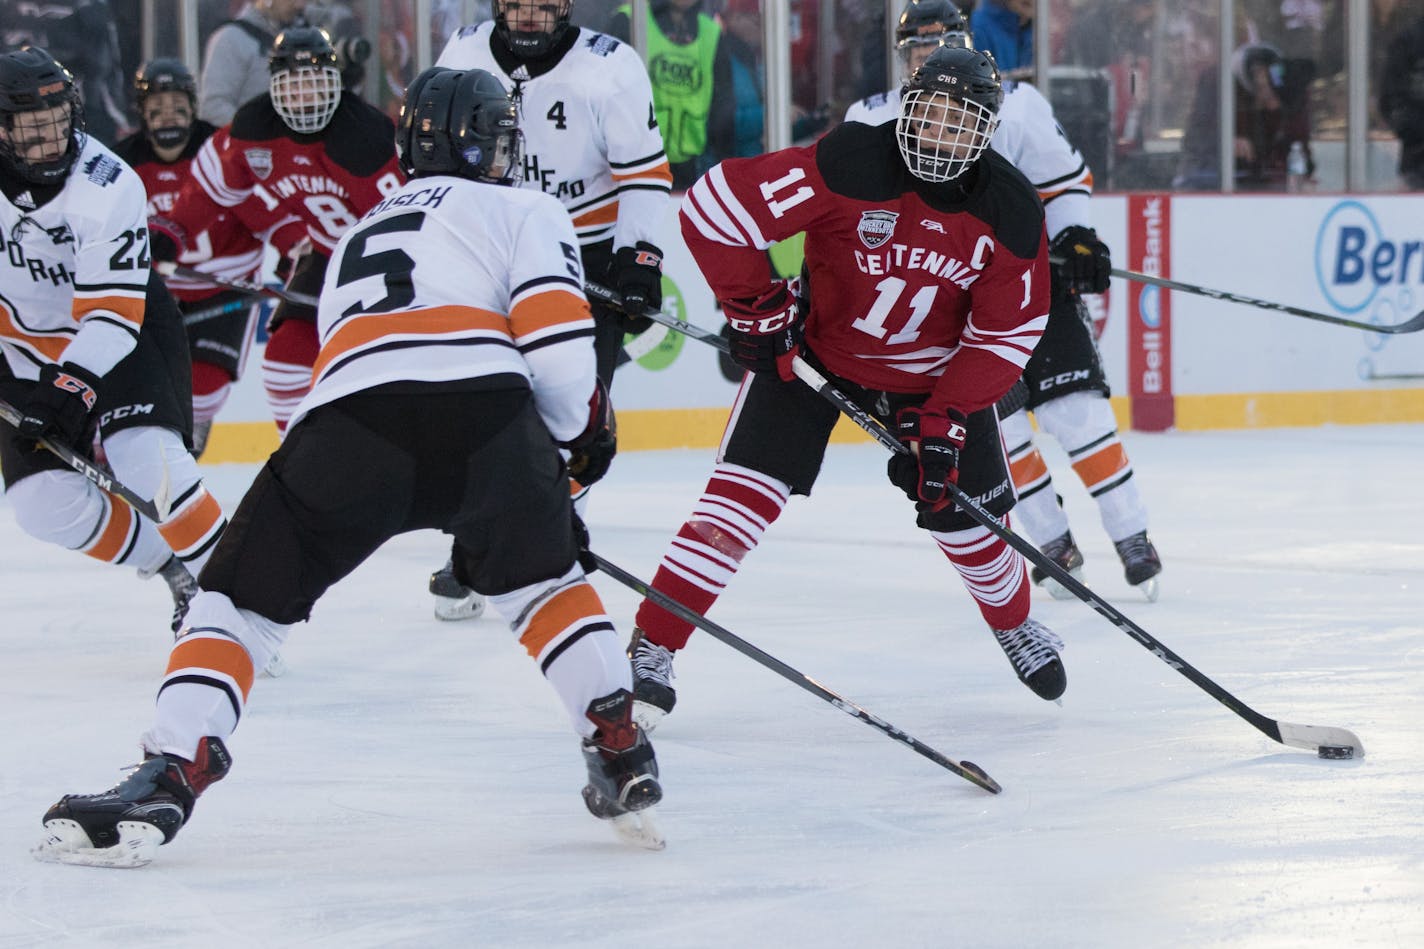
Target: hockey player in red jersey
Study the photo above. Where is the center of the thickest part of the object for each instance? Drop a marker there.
(928, 289)
(456, 355)
(92, 343)
(303, 163)
(592, 141)
(161, 152)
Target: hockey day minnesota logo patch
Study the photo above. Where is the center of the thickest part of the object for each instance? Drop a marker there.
(876, 227)
(260, 161)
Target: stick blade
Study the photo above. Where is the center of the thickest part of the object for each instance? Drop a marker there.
(1412, 325)
(1337, 742)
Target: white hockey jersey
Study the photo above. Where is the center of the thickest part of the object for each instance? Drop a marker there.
(590, 137)
(452, 279)
(74, 272)
(1030, 137)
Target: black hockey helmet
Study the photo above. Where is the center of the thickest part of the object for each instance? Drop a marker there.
(461, 123)
(165, 75)
(41, 118)
(925, 21)
(948, 112)
(305, 78)
(535, 43)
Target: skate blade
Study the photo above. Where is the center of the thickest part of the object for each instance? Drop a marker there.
(1150, 589)
(647, 715)
(1057, 590)
(451, 609)
(640, 829)
(68, 843)
(276, 667)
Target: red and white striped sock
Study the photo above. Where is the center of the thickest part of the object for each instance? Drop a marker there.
(994, 573)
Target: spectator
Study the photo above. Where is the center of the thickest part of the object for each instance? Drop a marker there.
(691, 73)
(1005, 29)
(1266, 126)
(80, 34)
(1401, 100)
(742, 21)
(235, 64)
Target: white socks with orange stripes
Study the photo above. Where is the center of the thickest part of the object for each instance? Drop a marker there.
(65, 508)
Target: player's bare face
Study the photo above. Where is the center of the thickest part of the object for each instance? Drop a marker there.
(39, 136)
(167, 110)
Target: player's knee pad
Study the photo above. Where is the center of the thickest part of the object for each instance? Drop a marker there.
(1077, 418)
(141, 456)
(516, 605)
(59, 507)
(260, 636)
(1017, 429)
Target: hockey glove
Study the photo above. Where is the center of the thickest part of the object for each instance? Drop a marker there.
(933, 460)
(581, 542)
(593, 450)
(60, 404)
(1086, 262)
(766, 330)
(637, 274)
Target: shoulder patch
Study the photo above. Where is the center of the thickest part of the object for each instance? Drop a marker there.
(601, 44)
(103, 170)
(467, 31)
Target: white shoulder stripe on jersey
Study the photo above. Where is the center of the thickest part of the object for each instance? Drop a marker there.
(722, 193)
(710, 220)
(208, 170)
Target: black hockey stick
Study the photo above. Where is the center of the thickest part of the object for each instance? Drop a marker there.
(169, 269)
(220, 309)
(1326, 741)
(1412, 325)
(155, 510)
(967, 770)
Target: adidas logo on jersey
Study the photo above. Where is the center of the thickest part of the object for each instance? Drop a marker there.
(25, 200)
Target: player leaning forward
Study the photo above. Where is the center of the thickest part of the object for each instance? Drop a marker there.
(452, 320)
(92, 341)
(929, 286)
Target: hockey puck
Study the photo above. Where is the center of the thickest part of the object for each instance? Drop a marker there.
(1335, 751)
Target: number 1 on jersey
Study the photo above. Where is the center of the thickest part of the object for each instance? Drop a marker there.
(888, 292)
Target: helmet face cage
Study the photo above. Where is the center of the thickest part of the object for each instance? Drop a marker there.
(940, 136)
(306, 98)
(165, 76)
(531, 44)
(39, 109)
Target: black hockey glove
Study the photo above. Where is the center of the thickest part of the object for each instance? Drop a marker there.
(637, 274)
(766, 330)
(593, 450)
(1086, 262)
(933, 460)
(60, 404)
(165, 240)
(581, 542)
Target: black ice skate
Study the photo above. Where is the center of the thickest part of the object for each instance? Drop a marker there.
(454, 600)
(1032, 648)
(653, 694)
(183, 587)
(1140, 563)
(622, 771)
(125, 826)
(1065, 553)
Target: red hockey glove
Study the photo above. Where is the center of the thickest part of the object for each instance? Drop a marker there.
(933, 461)
(766, 330)
(594, 448)
(59, 405)
(1086, 265)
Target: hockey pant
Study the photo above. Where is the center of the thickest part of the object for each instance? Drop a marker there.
(1083, 423)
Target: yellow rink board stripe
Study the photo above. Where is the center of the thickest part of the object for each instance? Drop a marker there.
(647, 429)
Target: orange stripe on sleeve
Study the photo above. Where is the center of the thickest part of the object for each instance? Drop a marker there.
(187, 528)
(560, 612)
(52, 347)
(548, 308)
(661, 172)
(129, 309)
(1101, 464)
(1029, 468)
(115, 534)
(223, 656)
(607, 214)
(358, 331)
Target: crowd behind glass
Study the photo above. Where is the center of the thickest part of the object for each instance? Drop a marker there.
(1327, 95)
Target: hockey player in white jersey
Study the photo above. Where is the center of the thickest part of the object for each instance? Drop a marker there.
(93, 344)
(1067, 388)
(456, 357)
(590, 140)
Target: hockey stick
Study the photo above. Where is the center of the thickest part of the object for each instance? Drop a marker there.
(967, 770)
(155, 510)
(220, 309)
(170, 269)
(1412, 325)
(1325, 741)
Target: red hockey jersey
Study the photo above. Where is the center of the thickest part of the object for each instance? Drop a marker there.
(224, 246)
(914, 287)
